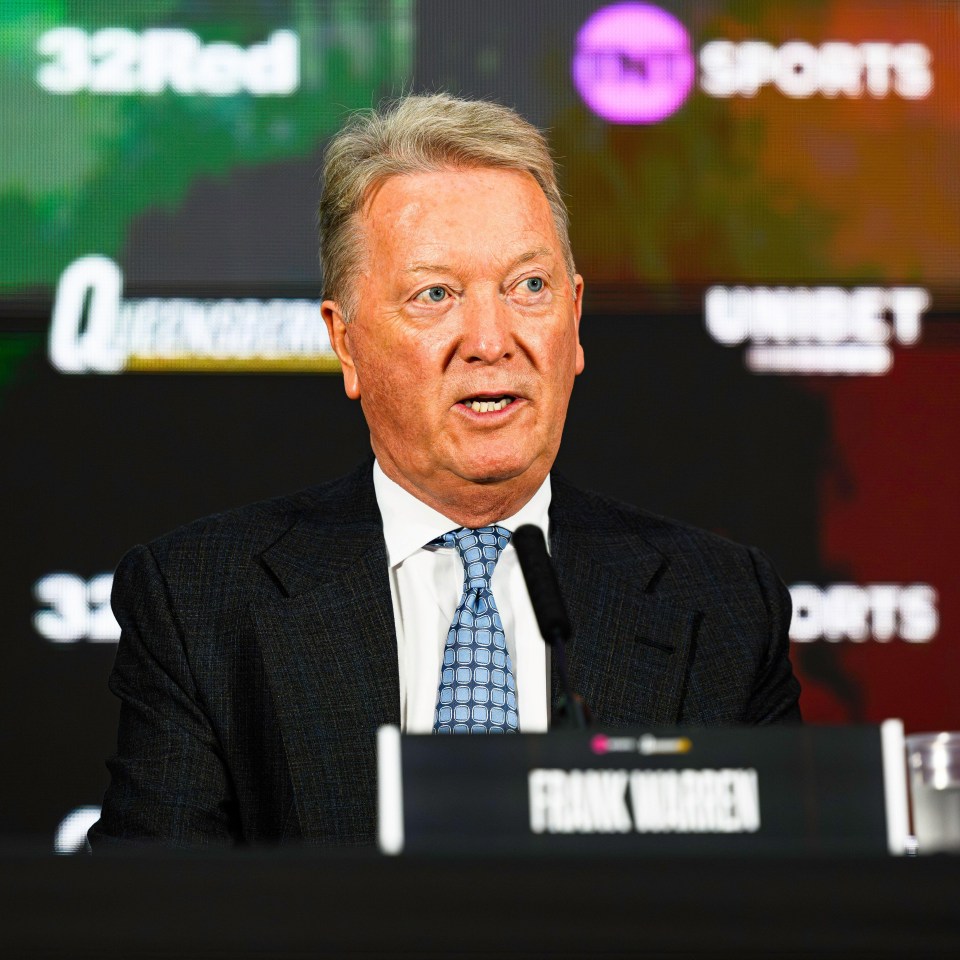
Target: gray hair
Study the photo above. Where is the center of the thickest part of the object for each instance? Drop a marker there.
(413, 135)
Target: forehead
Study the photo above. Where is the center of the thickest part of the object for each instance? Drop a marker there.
(470, 215)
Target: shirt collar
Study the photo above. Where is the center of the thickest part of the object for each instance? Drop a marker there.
(409, 524)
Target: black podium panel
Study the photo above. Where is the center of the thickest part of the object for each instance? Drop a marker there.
(300, 904)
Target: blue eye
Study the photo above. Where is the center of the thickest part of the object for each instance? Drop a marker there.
(436, 294)
(534, 284)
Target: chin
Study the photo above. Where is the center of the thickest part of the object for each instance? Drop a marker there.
(496, 471)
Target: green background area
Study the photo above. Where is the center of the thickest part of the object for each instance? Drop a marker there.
(76, 169)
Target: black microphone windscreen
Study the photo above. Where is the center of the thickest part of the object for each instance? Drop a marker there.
(542, 585)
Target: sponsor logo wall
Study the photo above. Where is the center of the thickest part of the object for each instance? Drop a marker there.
(763, 205)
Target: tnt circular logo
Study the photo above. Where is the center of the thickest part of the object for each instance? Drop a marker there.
(633, 63)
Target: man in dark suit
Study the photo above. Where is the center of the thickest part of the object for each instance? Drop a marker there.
(262, 648)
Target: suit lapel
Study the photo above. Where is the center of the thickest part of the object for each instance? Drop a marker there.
(330, 652)
(629, 653)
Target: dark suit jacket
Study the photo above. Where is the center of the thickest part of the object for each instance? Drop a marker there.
(259, 657)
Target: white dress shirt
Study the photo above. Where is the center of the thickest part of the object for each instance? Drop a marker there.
(426, 585)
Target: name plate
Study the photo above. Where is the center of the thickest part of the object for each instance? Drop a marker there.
(737, 791)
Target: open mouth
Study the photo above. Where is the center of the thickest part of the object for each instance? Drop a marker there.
(488, 404)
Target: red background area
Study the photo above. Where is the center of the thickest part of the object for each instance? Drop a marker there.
(891, 514)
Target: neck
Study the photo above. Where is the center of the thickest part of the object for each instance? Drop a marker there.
(471, 504)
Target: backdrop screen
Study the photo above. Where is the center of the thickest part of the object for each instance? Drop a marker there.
(765, 205)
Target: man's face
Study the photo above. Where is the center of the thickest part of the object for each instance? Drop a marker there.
(464, 344)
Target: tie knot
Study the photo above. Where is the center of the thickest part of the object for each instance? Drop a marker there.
(479, 550)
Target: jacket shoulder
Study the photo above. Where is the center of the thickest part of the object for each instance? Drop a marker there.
(687, 550)
(254, 526)
(226, 547)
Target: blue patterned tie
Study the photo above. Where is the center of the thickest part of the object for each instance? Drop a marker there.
(478, 693)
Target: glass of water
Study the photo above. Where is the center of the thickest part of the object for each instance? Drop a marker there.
(934, 763)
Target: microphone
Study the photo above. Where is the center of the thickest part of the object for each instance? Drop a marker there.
(550, 611)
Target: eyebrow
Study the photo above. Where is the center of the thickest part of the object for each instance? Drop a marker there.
(446, 268)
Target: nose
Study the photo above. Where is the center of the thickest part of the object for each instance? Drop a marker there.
(487, 330)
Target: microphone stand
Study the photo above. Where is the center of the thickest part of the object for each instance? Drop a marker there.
(551, 614)
(570, 710)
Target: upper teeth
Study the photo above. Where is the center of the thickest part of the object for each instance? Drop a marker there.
(487, 406)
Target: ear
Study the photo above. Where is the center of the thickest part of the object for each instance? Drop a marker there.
(577, 312)
(339, 331)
